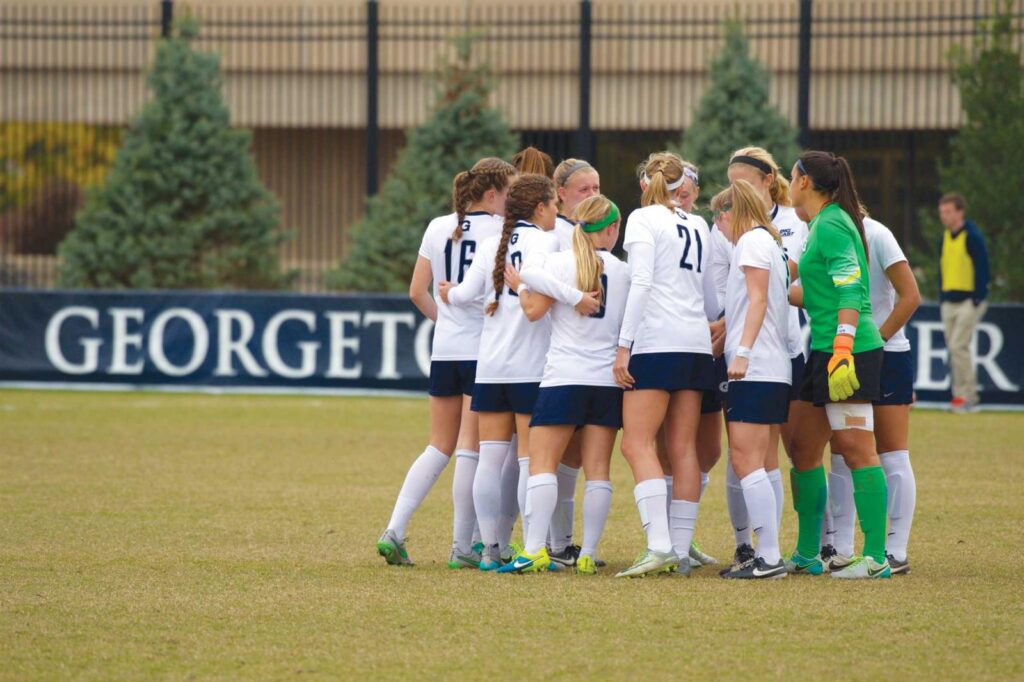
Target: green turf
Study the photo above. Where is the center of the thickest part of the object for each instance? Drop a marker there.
(148, 535)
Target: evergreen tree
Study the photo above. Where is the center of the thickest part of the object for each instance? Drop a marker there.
(987, 151)
(182, 206)
(461, 130)
(733, 113)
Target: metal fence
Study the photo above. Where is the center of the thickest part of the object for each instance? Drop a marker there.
(329, 89)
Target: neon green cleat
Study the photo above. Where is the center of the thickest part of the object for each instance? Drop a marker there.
(585, 565)
(393, 549)
(458, 560)
(699, 558)
(528, 563)
(864, 568)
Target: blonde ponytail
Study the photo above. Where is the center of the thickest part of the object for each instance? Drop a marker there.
(661, 170)
(599, 213)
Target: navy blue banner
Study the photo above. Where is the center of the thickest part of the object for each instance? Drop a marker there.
(290, 341)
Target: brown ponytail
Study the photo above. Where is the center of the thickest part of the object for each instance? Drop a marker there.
(831, 176)
(661, 169)
(523, 196)
(470, 186)
(533, 160)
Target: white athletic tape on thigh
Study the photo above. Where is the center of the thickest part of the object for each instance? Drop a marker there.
(843, 416)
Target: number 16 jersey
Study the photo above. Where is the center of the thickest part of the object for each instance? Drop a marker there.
(457, 330)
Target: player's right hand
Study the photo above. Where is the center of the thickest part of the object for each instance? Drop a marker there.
(620, 370)
(589, 304)
(443, 288)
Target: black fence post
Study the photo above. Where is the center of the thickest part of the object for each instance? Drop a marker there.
(166, 18)
(803, 106)
(372, 78)
(584, 138)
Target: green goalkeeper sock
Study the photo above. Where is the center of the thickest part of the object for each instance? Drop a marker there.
(870, 496)
(810, 493)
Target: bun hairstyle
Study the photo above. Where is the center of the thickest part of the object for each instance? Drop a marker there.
(589, 266)
(747, 209)
(533, 160)
(764, 163)
(523, 196)
(469, 187)
(663, 173)
(830, 175)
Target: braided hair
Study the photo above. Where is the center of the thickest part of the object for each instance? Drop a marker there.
(468, 187)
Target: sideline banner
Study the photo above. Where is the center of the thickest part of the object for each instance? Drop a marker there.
(209, 340)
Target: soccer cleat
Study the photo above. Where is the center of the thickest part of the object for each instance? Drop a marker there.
(651, 563)
(803, 565)
(897, 567)
(758, 569)
(490, 559)
(600, 563)
(528, 563)
(832, 560)
(478, 548)
(509, 551)
(585, 565)
(393, 549)
(744, 555)
(683, 568)
(864, 568)
(698, 558)
(567, 557)
(459, 560)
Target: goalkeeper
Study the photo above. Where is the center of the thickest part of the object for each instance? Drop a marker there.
(843, 371)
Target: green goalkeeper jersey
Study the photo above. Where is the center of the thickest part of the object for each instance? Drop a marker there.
(834, 274)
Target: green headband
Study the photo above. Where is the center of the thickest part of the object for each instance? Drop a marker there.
(613, 215)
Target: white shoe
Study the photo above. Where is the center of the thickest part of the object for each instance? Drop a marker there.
(864, 568)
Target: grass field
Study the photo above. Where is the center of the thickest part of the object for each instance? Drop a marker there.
(180, 536)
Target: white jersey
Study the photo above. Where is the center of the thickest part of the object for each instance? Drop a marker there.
(718, 267)
(769, 356)
(563, 232)
(794, 235)
(512, 349)
(884, 252)
(670, 283)
(583, 348)
(457, 330)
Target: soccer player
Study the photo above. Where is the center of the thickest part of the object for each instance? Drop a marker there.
(578, 393)
(664, 356)
(758, 167)
(894, 298)
(449, 246)
(757, 351)
(512, 348)
(843, 373)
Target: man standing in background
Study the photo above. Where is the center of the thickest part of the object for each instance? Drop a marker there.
(963, 288)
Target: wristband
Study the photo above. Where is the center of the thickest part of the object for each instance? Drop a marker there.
(743, 352)
(848, 329)
(521, 288)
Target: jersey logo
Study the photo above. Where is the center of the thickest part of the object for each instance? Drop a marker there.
(786, 233)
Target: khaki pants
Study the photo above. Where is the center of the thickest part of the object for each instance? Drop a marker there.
(960, 320)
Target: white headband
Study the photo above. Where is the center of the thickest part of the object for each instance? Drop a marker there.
(671, 187)
(692, 174)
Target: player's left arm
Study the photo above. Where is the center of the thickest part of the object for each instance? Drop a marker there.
(534, 305)
(908, 298)
(419, 292)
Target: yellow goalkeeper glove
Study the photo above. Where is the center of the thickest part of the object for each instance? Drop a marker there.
(842, 375)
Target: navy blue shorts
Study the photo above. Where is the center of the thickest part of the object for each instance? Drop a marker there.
(897, 385)
(452, 377)
(758, 402)
(713, 401)
(672, 371)
(518, 398)
(799, 362)
(578, 406)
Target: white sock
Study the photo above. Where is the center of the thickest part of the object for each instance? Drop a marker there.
(476, 528)
(668, 497)
(509, 509)
(775, 478)
(899, 478)
(418, 482)
(487, 488)
(760, 498)
(464, 514)
(705, 478)
(650, 502)
(840, 498)
(597, 501)
(524, 478)
(682, 520)
(737, 507)
(562, 520)
(541, 500)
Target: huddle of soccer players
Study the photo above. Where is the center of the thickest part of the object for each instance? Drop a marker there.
(546, 344)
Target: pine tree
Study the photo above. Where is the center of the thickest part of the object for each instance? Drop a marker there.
(182, 206)
(461, 130)
(733, 113)
(987, 150)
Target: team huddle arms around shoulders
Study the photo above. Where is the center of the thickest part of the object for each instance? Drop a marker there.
(546, 344)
